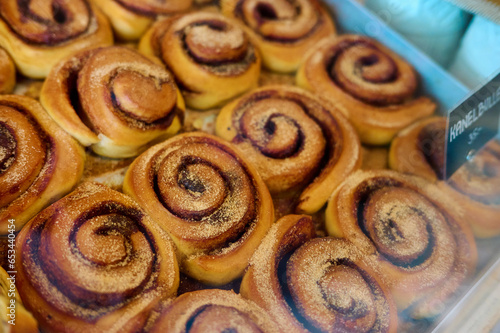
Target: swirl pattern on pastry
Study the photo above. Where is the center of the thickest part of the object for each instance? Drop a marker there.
(373, 86)
(212, 58)
(423, 247)
(113, 99)
(39, 162)
(39, 33)
(213, 311)
(283, 30)
(94, 261)
(208, 198)
(12, 309)
(329, 285)
(297, 142)
(131, 18)
(420, 150)
(7, 73)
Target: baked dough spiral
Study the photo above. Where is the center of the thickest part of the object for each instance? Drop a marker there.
(213, 311)
(212, 58)
(372, 85)
(208, 198)
(7, 73)
(131, 18)
(297, 142)
(94, 261)
(12, 309)
(283, 30)
(39, 162)
(39, 33)
(332, 287)
(113, 99)
(420, 150)
(423, 247)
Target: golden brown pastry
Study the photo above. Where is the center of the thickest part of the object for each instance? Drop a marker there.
(422, 246)
(131, 18)
(39, 162)
(213, 311)
(94, 261)
(208, 198)
(7, 73)
(15, 318)
(420, 150)
(212, 58)
(283, 30)
(300, 145)
(39, 33)
(372, 85)
(375, 158)
(113, 99)
(332, 286)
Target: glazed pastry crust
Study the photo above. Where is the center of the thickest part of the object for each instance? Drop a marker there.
(7, 73)
(59, 161)
(23, 52)
(369, 83)
(122, 106)
(208, 198)
(218, 63)
(94, 261)
(424, 247)
(296, 141)
(283, 40)
(419, 150)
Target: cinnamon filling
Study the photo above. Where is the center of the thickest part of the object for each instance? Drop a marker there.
(431, 141)
(106, 243)
(45, 22)
(146, 99)
(331, 292)
(8, 147)
(139, 98)
(285, 21)
(271, 127)
(25, 152)
(367, 73)
(480, 177)
(208, 189)
(218, 46)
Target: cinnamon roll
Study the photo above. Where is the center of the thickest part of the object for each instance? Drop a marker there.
(113, 99)
(372, 85)
(213, 311)
(39, 162)
(94, 262)
(38, 34)
(329, 285)
(475, 187)
(7, 73)
(131, 18)
(208, 198)
(15, 318)
(422, 246)
(212, 58)
(297, 142)
(283, 30)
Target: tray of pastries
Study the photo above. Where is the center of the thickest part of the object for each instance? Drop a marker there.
(230, 166)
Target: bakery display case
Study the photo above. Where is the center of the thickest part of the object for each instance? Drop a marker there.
(239, 165)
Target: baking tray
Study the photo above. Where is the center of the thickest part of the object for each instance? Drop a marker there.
(352, 17)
